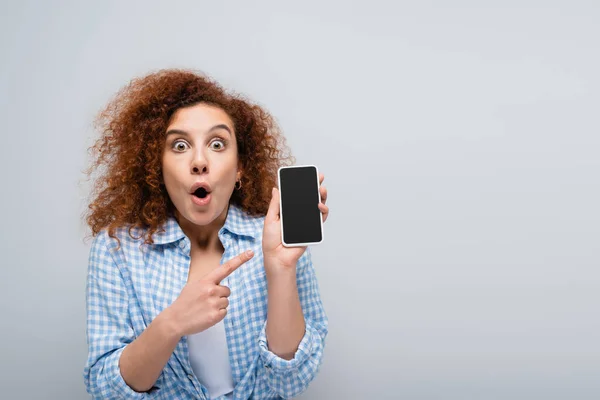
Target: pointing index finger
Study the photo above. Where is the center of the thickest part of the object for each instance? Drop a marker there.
(228, 267)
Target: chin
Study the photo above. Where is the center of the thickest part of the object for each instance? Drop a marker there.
(205, 216)
(199, 219)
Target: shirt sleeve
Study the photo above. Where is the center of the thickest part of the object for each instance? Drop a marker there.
(288, 378)
(109, 328)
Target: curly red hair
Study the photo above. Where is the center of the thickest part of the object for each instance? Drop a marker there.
(131, 191)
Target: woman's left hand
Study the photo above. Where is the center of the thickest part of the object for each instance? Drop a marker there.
(276, 256)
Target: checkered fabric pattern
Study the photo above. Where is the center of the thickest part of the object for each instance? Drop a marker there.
(128, 287)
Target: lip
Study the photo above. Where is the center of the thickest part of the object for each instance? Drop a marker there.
(197, 185)
(201, 202)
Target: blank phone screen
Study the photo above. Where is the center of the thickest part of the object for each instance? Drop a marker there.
(301, 217)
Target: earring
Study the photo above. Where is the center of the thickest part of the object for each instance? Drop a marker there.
(236, 184)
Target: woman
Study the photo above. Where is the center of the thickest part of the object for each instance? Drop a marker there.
(176, 306)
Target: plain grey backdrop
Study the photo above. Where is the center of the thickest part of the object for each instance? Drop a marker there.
(460, 146)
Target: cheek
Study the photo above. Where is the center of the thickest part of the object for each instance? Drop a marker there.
(169, 185)
(170, 173)
(173, 166)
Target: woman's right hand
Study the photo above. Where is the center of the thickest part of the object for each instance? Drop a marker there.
(203, 303)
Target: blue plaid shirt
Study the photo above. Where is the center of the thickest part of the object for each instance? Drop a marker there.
(127, 288)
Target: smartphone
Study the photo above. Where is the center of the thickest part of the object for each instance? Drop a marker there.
(299, 198)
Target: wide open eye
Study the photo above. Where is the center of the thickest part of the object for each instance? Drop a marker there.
(179, 145)
(221, 144)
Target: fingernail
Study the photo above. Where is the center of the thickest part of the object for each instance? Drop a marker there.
(249, 253)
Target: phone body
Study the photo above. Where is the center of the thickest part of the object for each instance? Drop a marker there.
(299, 198)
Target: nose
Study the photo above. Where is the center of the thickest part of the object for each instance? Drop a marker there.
(199, 163)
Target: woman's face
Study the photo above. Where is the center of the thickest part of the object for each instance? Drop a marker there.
(200, 146)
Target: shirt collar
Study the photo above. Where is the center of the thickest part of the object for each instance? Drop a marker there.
(237, 222)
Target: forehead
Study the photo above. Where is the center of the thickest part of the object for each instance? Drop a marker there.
(199, 117)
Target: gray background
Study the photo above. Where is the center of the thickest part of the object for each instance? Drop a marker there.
(460, 146)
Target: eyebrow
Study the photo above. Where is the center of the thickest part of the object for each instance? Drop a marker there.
(185, 133)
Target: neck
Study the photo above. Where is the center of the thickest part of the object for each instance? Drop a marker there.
(203, 238)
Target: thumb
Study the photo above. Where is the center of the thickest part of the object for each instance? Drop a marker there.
(273, 211)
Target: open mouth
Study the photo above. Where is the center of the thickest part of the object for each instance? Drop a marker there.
(201, 193)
